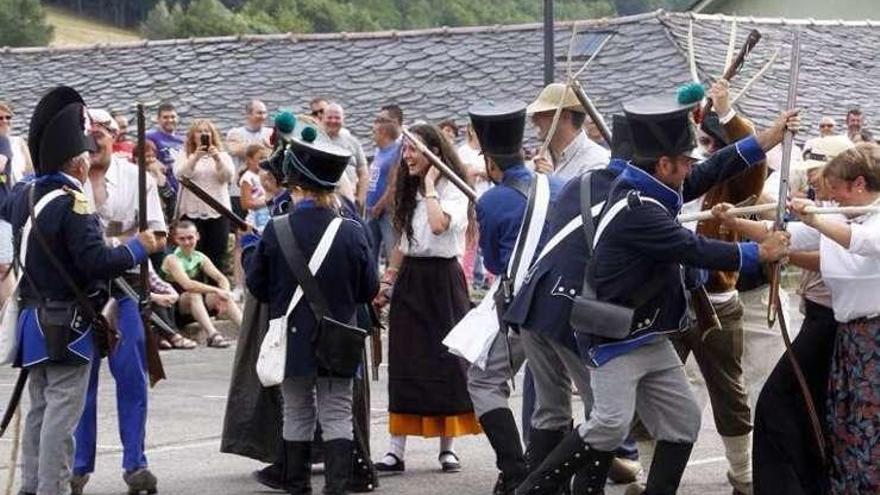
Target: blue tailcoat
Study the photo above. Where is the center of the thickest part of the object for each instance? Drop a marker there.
(544, 303)
(500, 212)
(347, 277)
(76, 239)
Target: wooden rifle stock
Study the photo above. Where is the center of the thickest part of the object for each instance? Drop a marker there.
(731, 71)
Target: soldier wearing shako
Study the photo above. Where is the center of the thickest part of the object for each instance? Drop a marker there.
(66, 265)
(508, 216)
(635, 264)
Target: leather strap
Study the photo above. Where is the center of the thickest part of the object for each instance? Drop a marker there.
(296, 261)
(816, 425)
(84, 302)
(530, 194)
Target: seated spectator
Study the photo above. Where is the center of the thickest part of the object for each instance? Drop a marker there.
(190, 272)
(163, 299)
(253, 196)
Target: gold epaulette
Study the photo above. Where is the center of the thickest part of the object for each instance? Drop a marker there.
(81, 205)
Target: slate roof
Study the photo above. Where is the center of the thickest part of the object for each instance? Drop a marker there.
(437, 73)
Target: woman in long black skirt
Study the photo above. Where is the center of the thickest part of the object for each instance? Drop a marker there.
(427, 385)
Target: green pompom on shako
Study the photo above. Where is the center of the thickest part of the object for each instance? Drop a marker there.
(285, 122)
(691, 93)
(309, 134)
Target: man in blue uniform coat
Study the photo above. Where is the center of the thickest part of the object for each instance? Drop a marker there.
(501, 213)
(56, 335)
(644, 239)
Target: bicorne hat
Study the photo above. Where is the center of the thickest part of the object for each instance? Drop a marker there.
(59, 130)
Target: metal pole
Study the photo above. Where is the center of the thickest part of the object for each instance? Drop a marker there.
(548, 42)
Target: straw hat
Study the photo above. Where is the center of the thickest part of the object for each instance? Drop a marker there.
(549, 98)
(818, 152)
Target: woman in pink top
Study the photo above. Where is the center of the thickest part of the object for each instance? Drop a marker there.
(203, 161)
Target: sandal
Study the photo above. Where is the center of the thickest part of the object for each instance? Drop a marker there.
(217, 340)
(181, 342)
(164, 345)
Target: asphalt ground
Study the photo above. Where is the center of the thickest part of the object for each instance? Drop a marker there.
(186, 415)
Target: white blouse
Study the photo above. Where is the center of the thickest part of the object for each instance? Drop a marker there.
(853, 274)
(449, 244)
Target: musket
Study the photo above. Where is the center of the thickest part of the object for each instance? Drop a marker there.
(766, 207)
(154, 361)
(774, 308)
(591, 110)
(730, 71)
(14, 400)
(122, 285)
(215, 205)
(784, 174)
(442, 167)
(375, 342)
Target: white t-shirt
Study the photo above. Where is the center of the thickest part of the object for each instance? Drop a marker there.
(853, 274)
(449, 244)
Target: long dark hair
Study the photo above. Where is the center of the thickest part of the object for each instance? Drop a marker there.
(408, 186)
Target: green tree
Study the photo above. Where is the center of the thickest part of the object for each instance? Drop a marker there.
(24, 24)
(160, 24)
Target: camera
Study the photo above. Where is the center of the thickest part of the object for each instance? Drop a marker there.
(205, 140)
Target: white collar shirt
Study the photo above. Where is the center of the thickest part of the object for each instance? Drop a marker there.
(852, 275)
(580, 155)
(449, 244)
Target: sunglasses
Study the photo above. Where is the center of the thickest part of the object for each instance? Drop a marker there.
(823, 126)
(7, 118)
(316, 113)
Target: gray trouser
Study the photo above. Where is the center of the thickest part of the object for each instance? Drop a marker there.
(555, 367)
(58, 395)
(308, 399)
(649, 380)
(489, 388)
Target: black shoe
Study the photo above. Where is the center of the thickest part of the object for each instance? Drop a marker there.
(398, 467)
(140, 482)
(500, 428)
(337, 466)
(298, 468)
(271, 476)
(569, 457)
(667, 468)
(452, 465)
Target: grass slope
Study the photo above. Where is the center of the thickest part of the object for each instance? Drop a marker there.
(71, 29)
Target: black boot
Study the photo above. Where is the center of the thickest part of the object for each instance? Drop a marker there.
(554, 474)
(364, 477)
(667, 468)
(500, 429)
(541, 443)
(272, 475)
(337, 466)
(298, 468)
(590, 479)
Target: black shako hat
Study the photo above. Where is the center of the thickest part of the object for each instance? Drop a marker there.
(659, 126)
(59, 130)
(712, 126)
(315, 165)
(621, 140)
(499, 126)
